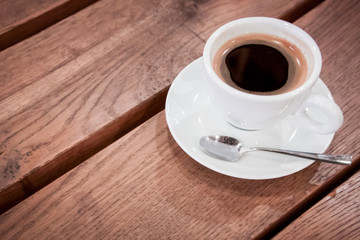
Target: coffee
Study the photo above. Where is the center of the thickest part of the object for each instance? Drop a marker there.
(260, 64)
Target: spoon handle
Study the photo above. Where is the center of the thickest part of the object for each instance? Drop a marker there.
(339, 159)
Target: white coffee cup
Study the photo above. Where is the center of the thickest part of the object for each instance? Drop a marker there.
(251, 111)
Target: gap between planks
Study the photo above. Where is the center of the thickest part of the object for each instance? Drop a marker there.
(321, 192)
(23, 30)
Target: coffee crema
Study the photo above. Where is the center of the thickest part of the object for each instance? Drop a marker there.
(261, 64)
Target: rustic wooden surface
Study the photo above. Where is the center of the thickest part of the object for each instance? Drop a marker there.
(337, 216)
(78, 85)
(152, 189)
(145, 186)
(20, 19)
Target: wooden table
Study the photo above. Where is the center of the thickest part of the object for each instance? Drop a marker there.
(85, 151)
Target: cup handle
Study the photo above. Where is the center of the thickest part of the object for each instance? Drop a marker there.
(331, 115)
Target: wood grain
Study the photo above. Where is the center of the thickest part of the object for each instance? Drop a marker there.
(83, 90)
(144, 186)
(20, 19)
(78, 85)
(337, 216)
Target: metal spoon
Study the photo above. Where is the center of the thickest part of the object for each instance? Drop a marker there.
(231, 149)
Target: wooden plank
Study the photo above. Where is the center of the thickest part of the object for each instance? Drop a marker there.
(337, 216)
(20, 19)
(75, 87)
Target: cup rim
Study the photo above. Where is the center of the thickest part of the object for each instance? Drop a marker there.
(305, 37)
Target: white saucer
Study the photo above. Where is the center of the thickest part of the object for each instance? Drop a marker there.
(190, 115)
